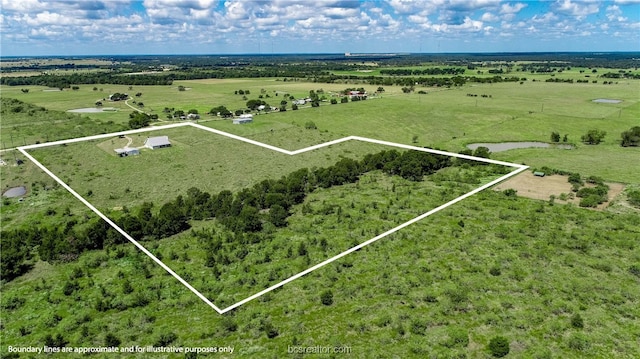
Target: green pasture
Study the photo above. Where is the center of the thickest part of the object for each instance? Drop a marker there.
(449, 119)
(196, 158)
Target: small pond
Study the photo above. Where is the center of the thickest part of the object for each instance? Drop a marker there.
(606, 100)
(15, 192)
(93, 110)
(505, 146)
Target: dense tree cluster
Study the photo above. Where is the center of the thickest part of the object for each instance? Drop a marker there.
(593, 137)
(139, 120)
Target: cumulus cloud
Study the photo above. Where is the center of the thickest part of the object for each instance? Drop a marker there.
(578, 9)
(489, 17)
(626, 2)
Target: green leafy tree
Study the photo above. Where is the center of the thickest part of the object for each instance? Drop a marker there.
(278, 216)
(499, 346)
(593, 137)
(631, 137)
(482, 152)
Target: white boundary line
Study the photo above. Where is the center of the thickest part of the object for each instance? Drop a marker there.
(23, 150)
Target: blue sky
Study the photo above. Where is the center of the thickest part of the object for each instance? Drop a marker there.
(99, 27)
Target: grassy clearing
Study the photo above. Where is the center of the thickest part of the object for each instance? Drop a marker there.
(196, 159)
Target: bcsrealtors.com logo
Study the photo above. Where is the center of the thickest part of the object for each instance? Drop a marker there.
(318, 349)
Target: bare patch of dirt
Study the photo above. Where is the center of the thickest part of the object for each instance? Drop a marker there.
(543, 188)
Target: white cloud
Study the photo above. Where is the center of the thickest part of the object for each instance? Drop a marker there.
(626, 2)
(615, 14)
(489, 17)
(578, 9)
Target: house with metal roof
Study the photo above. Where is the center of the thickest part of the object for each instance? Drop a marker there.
(157, 142)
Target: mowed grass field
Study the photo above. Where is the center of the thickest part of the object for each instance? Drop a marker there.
(197, 158)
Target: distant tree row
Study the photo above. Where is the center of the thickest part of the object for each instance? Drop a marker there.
(428, 71)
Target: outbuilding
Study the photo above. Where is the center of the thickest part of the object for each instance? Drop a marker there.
(242, 119)
(124, 152)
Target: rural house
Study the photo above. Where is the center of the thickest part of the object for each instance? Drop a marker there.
(157, 142)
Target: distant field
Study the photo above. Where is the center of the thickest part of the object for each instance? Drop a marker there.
(445, 118)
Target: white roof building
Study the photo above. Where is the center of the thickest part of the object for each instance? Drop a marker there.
(157, 142)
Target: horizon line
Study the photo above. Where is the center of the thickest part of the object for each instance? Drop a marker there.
(386, 54)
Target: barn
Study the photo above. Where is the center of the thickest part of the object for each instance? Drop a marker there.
(157, 142)
(246, 118)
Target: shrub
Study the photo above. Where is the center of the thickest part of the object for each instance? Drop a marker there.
(499, 346)
(127, 287)
(55, 342)
(482, 152)
(165, 339)
(457, 338)
(633, 196)
(578, 341)
(229, 325)
(575, 178)
(326, 297)
(419, 327)
(495, 271)
(111, 340)
(577, 322)
(555, 137)
(13, 303)
(590, 201)
(310, 125)
(70, 287)
(635, 270)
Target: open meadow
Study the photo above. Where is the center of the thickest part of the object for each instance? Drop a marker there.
(555, 279)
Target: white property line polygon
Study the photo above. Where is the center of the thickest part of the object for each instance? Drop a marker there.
(23, 150)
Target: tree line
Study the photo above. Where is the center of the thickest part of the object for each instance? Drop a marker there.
(428, 71)
(245, 212)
